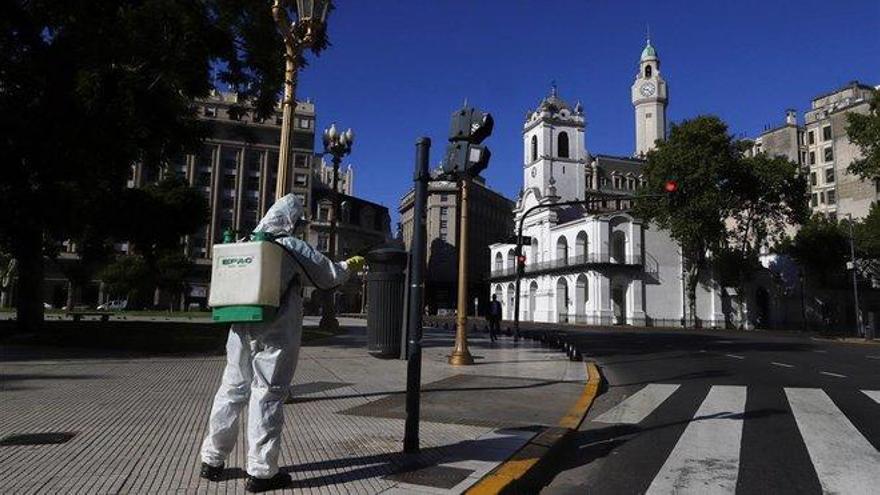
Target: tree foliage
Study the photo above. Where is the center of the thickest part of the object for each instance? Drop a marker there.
(864, 132)
(821, 248)
(701, 157)
(88, 88)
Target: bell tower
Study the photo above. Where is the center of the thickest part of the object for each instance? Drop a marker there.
(649, 97)
(554, 151)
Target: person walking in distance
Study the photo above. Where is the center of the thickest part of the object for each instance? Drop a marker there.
(494, 318)
(261, 358)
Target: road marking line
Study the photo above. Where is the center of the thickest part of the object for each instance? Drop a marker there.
(844, 460)
(635, 408)
(874, 394)
(820, 350)
(836, 375)
(706, 457)
(735, 356)
(784, 365)
(873, 357)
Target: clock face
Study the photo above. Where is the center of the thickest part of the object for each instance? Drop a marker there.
(647, 89)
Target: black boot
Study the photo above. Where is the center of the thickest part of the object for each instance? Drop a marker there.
(211, 473)
(277, 482)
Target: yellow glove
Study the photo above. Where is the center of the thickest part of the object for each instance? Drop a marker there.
(355, 264)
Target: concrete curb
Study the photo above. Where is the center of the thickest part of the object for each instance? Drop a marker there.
(527, 469)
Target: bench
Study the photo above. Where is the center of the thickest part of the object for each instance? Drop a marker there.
(78, 315)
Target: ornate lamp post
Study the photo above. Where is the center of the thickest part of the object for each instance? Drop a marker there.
(307, 31)
(336, 144)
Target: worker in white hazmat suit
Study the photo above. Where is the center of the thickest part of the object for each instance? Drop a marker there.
(261, 358)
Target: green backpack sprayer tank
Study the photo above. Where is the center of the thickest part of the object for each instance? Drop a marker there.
(246, 279)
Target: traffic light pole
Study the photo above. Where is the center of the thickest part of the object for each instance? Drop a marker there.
(461, 356)
(416, 298)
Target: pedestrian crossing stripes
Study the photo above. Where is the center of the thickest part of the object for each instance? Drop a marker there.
(707, 453)
(844, 460)
(639, 405)
(706, 457)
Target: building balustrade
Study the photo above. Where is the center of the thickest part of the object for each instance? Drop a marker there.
(562, 264)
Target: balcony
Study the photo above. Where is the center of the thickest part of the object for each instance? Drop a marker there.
(574, 263)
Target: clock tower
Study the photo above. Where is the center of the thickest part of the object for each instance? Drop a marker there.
(649, 97)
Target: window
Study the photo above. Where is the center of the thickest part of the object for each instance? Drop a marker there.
(830, 196)
(278, 120)
(648, 115)
(300, 161)
(812, 178)
(562, 145)
(534, 148)
(803, 157)
(253, 160)
(253, 184)
(589, 181)
(210, 112)
(300, 180)
(648, 71)
(829, 154)
(832, 216)
(811, 137)
(229, 157)
(444, 198)
(204, 179)
(829, 176)
(324, 212)
(323, 243)
(229, 181)
(814, 200)
(443, 236)
(826, 133)
(302, 198)
(444, 212)
(812, 158)
(822, 197)
(304, 123)
(227, 203)
(616, 182)
(443, 224)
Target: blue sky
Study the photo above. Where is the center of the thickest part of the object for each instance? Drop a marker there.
(398, 69)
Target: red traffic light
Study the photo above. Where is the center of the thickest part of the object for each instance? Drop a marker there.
(521, 259)
(671, 186)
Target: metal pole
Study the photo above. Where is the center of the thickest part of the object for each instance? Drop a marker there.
(416, 297)
(328, 316)
(282, 183)
(852, 252)
(461, 356)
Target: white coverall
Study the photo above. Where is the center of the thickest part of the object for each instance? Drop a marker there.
(261, 357)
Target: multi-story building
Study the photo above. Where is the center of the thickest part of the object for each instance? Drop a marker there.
(236, 169)
(835, 191)
(324, 175)
(489, 221)
(823, 150)
(597, 265)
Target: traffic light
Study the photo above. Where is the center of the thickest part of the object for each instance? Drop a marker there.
(471, 125)
(465, 158)
(464, 154)
(670, 186)
(521, 260)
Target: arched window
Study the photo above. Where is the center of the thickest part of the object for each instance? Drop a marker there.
(562, 145)
(499, 262)
(562, 251)
(648, 71)
(534, 148)
(581, 246)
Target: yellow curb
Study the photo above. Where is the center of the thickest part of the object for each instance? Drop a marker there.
(526, 458)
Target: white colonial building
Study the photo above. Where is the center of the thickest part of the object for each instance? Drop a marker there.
(597, 266)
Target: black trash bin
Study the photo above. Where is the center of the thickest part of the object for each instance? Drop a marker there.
(386, 286)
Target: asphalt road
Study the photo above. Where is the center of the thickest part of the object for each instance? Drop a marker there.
(726, 412)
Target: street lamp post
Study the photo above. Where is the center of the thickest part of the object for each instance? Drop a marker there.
(308, 31)
(336, 144)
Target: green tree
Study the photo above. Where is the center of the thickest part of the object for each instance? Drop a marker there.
(821, 248)
(702, 157)
(864, 132)
(128, 278)
(88, 88)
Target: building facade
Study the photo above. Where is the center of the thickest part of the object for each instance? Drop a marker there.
(490, 221)
(236, 168)
(823, 150)
(599, 265)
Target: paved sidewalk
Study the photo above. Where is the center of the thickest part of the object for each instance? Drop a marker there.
(139, 422)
